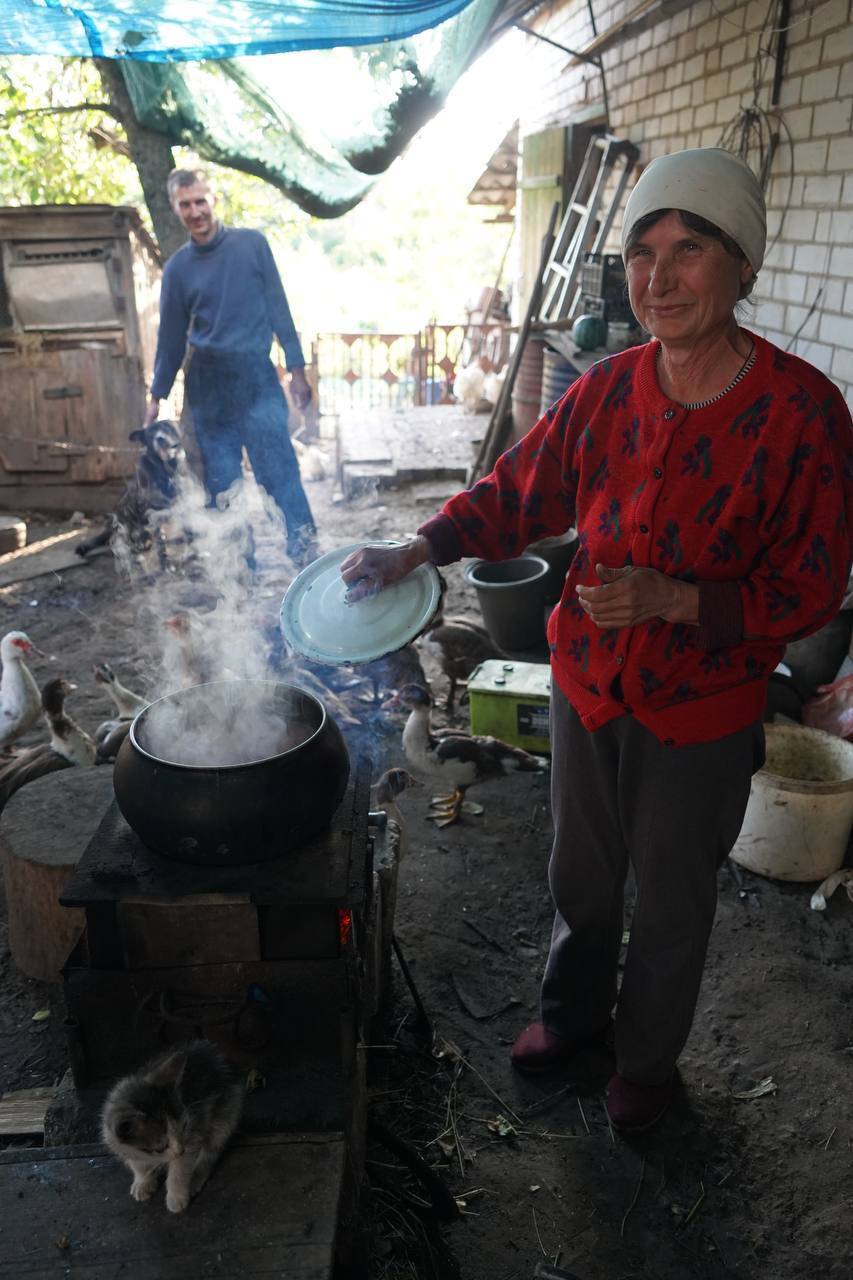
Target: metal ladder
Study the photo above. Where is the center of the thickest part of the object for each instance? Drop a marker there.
(584, 229)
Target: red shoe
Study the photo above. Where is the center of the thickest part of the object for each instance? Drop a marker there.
(538, 1049)
(634, 1108)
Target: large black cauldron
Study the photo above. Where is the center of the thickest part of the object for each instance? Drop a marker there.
(231, 772)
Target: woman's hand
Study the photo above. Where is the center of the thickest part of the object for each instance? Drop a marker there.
(632, 595)
(371, 568)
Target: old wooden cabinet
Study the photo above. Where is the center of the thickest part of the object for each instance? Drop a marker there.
(79, 294)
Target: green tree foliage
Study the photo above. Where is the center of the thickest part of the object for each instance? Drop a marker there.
(48, 153)
(412, 250)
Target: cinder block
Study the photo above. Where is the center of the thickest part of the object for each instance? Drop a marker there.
(823, 191)
(826, 17)
(680, 97)
(840, 157)
(733, 50)
(810, 258)
(820, 86)
(740, 78)
(693, 67)
(704, 115)
(789, 286)
(810, 157)
(804, 57)
(800, 224)
(837, 330)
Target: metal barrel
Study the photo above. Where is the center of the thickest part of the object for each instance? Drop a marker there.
(527, 391)
(558, 374)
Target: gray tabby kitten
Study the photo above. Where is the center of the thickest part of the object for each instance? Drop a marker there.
(175, 1115)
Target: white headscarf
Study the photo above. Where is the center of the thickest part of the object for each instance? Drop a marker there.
(711, 183)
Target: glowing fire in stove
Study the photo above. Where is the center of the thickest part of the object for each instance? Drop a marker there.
(344, 926)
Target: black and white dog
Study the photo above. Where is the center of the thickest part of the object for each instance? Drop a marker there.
(151, 488)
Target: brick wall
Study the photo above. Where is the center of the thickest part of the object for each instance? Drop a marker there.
(680, 81)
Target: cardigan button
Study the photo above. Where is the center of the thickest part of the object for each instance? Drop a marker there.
(658, 473)
(619, 660)
(669, 414)
(644, 528)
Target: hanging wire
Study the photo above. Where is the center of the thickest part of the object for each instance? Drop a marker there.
(750, 31)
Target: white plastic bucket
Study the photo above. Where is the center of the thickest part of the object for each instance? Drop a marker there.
(800, 806)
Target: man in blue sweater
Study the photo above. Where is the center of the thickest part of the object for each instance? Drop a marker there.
(221, 294)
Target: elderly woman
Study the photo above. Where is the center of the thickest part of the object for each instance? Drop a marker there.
(710, 478)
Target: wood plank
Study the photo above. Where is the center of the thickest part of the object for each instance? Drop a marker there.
(270, 1209)
(50, 555)
(22, 1112)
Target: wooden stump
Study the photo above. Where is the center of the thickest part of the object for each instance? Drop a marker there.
(43, 831)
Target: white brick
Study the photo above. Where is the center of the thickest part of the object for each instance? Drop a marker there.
(716, 86)
(727, 109)
(848, 297)
(733, 51)
(799, 122)
(644, 41)
(680, 97)
(845, 80)
(820, 85)
(789, 286)
(800, 224)
(740, 78)
(810, 157)
(842, 263)
(771, 314)
(833, 117)
(847, 190)
(796, 316)
(789, 94)
(708, 35)
(673, 75)
(832, 298)
(837, 330)
(826, 17)
(649, 61)
(710, 136)
(839, 46)
(781, 257)
(840, 155)
(842, 364)
(804, 57)
(825, 192)
(704, 115)
(685, 121)
(712, 61)
(810, 258)
(694, 67)
(686, 46)
(823, 230)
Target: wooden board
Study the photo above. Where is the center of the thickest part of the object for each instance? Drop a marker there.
(270, 1209)
(49, 555)
(22, 1113)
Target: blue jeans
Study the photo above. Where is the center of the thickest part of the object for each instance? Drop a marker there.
(236, 400)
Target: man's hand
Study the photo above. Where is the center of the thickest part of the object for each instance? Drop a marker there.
(369, 569)
(152, 413)
(632, 595)
(300, 389)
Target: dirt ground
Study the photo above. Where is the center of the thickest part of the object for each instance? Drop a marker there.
(728, 1186)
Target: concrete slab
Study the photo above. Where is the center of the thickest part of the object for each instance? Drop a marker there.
(385, 447)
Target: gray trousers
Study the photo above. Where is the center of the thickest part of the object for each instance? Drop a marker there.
(675, 812)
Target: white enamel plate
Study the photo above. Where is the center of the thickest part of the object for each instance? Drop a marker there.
(318, 623)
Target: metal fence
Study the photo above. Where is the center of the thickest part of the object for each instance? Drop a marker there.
(398, 370)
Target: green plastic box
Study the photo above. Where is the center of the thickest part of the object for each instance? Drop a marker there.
(509, 700)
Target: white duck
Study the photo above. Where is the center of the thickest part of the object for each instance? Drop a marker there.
(20, 700)
(459, 759)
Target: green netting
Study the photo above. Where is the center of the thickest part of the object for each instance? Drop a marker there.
(317, 125)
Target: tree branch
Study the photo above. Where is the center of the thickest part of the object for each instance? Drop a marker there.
(106, 107)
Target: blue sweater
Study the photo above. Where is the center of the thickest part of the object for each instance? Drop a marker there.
(225, 298)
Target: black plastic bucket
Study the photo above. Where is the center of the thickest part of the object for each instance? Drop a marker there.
(511, 599)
